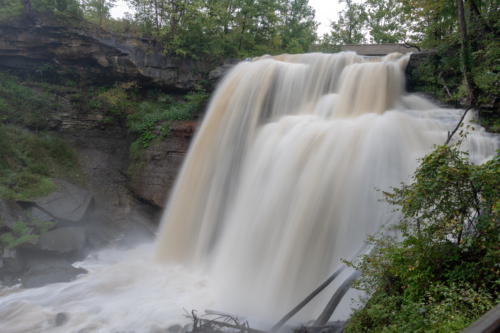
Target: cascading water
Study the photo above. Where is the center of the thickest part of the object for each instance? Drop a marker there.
(278, 186)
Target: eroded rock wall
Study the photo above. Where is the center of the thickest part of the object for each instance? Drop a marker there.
(97, 54)
(162, 162)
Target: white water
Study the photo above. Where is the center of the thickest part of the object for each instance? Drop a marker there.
(278, 186)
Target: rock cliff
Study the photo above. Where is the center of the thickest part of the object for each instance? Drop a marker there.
(96, 54)
(162, 162)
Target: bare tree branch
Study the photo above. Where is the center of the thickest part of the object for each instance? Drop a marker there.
(458, 125)
(445, 86)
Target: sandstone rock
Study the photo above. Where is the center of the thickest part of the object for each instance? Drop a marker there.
(99, 55)
(163, 161)
(47, 271)
(219, 72)
(10, 213)
(70, 202)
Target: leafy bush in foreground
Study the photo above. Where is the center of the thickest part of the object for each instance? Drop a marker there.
(442, 272)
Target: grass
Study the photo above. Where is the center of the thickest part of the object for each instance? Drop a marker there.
(29, 160)
(21, 105)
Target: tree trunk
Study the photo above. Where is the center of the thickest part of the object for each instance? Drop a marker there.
(465, 52)
(242, 31)
(479, 17)
(27, 9)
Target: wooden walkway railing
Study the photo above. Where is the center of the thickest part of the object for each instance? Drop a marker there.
(488, 323)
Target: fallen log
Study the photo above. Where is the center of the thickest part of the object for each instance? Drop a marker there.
(315, 292)
(336, 298)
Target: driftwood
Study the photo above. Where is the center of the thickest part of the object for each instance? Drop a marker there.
(336, 298)
(315, 292)
(221, 323)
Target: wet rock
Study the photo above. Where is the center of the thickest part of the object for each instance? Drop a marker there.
(35, 212)
(62, 242)
(61, 319)
(219, 72)
(174, 328)
(70, 202)
(155, 179)
(65, 241)
(187, 328)
(9, 279)
(10, 213)
(136, 234)
(95, 238)
(12, 260)
(47, 271)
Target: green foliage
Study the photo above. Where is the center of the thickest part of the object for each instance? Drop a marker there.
(137, 160)
(441, 309)
(10, 9)
(386, 22)
(493, 125)
(349, 28)
(43, 226)
(21, 105)
(215, 30)
(446, 261)
(98, 11)
(163, 109)
(17, 236)
(28, 160)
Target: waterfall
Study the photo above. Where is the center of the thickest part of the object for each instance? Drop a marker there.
(278, 186)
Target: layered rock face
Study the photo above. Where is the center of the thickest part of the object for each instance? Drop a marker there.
(97, 54)
(154, 181)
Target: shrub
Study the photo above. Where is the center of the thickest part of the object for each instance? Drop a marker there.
(442, 271)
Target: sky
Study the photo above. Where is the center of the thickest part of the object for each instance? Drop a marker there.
(325, 10)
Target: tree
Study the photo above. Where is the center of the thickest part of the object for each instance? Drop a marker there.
(465, 52)
(386, 21)
(98, 9)
(350, 27)
(27, 9)
(299, 27)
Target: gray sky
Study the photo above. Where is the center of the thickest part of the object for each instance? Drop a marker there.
(325, 10)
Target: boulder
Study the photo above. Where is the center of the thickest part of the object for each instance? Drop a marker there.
(12, 260)
(63, 241)
(35, 212)
(47, 271)
(219, 72)
(136, 233)
(61, 319)
(10, 213)
(69, 203)
(174, 328)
